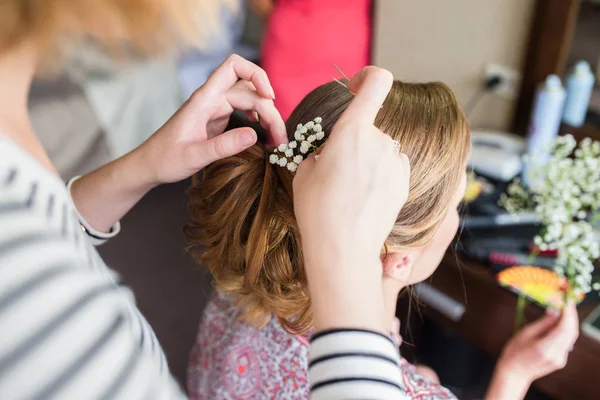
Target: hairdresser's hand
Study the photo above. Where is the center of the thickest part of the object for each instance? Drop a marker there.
(346, 204)
(194, 138)
(539, 349)
(190, 140)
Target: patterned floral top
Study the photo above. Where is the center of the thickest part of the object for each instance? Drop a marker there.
(233, 360)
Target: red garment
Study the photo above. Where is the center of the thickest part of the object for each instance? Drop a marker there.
(304, 38)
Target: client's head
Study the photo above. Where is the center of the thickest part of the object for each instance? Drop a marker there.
(243, 226)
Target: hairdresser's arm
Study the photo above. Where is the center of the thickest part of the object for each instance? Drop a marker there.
(346, 204)
(190, 140)
(537, 350)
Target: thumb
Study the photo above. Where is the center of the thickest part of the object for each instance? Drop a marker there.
(225, 145)
(372, 86)
(540, 326)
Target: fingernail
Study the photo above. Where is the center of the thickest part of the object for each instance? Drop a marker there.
(247, 138)
(552, 312)
(272, 93)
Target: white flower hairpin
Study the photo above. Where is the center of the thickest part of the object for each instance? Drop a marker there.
(308, 138)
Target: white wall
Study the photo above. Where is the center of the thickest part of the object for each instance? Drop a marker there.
(452, 41)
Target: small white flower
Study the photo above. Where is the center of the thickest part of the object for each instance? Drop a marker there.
(559, 270)
(302, 138)
(282, 162)
(292, 166)
(320, 135)
(581, 214)
(298, 159)
(318, 128)
(289, 153)
(292, 145)
(304, 146)
(297, 135)
(298, 127)
(309, 125)
(318, 120)
(596, 286)
(282, 147)
(303, 130)
(273, 159)
(311, 138)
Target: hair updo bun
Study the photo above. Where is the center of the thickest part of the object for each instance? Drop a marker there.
(242, 214)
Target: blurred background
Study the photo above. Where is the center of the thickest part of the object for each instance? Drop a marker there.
(495, 55)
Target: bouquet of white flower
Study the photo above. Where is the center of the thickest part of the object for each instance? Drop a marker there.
(565, 195)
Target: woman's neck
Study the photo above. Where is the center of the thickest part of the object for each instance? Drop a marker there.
(391, 289)
(17, 69)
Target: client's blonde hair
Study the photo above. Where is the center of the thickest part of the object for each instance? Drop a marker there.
(242, 216)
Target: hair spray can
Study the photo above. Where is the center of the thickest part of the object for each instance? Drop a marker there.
(543, 125)
(579, 89)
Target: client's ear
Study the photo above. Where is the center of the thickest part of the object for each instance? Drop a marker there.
(396, 266)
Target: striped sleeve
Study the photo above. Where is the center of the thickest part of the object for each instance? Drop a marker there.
(95, 237)
(67, 333)
(354, 364)
(68, 329)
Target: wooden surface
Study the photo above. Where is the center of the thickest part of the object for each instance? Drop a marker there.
(581, 132)
(488, 325)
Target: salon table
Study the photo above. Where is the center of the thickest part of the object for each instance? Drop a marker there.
(465, 300)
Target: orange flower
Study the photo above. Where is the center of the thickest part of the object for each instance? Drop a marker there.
(541, 285)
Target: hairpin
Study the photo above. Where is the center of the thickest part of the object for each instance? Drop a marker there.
(345, 77)
(308, 138)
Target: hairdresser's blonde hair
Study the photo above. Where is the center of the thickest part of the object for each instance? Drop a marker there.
(243, 225)
(118, 26)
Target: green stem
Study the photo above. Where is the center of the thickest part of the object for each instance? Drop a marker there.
(534, 253)
(569, 291)
(520, 313)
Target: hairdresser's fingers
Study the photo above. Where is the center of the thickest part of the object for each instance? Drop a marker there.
(252, 116)
(404, 175)
(225, 145)
(242, 84)
(245, 85)
(304, 171)
(234, 68)
(399, 178)
(371, 86)
(269, 117)
(275, 137)
(320, 149)
(405, 167)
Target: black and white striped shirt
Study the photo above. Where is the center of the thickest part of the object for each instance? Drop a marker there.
(69, 330)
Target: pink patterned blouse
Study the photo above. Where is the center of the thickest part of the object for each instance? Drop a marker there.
(233, 360)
